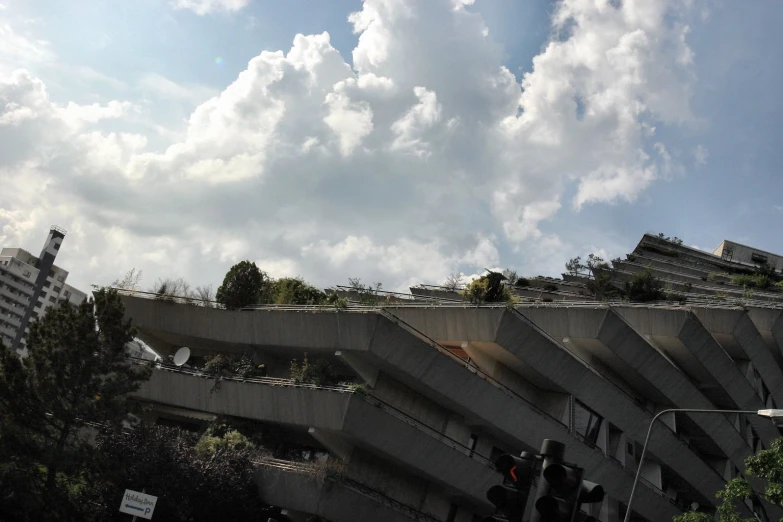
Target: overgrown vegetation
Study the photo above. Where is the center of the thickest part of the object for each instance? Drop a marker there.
(367, 295)
(319, 372)
(675, 240)
(759, 281)
(226, 366)
(522, 282)
(644, 287)
(293, 291)
(489, 288)
(551, 287)
(195, 480)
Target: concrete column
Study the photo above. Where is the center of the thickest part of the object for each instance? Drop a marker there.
(367, 371)
(334, 442)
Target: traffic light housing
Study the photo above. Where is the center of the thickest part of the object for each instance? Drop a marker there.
(561, 487)
(510, 498)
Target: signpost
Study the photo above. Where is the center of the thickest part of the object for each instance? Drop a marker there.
(138, 504)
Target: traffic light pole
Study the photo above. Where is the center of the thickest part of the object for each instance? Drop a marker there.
(647, 440)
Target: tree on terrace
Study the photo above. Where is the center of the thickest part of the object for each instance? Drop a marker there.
(242, 286)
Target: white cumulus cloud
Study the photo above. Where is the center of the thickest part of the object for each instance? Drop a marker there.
(423, 158)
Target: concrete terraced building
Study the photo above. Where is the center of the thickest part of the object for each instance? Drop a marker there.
(30, 286)
(448, 386)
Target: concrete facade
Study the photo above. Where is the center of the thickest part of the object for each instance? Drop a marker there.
(448, 386)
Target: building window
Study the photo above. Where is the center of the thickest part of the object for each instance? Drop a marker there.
(66, 294)
(587, 423)
(26, 273)
(61, 279)
(629, 448)
(472, 443)
(57, 289)
(452, 513)
(57, 246)
(52, 299)
(758, 258)
(47, 284)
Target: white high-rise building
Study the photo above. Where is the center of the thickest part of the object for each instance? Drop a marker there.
(30, 286)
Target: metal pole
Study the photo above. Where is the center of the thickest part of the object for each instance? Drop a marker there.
(647, 439)
(143, 490)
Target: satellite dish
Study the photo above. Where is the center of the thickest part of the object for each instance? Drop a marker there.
(182, 356)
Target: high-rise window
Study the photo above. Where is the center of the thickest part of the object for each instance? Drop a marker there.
(587, 423)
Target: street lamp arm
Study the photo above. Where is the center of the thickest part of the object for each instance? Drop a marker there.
(647, 440)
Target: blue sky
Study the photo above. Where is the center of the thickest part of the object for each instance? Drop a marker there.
(416, 140)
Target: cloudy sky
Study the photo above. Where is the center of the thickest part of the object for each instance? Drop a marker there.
(391, 140)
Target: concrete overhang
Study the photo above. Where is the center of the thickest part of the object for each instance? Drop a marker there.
(521, 339)
(738, 335)
(681, 335)
(343, 414)
(409, 357)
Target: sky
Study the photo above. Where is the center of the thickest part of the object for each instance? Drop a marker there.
(397, 141)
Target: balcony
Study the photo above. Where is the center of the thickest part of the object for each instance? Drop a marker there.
(353, 419)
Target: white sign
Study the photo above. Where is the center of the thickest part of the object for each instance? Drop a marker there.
(138, 504)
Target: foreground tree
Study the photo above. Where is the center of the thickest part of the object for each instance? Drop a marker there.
(242, 286)
(194, 482)
(76, 373)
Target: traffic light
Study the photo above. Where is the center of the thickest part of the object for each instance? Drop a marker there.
(561, 488)
(510, 498)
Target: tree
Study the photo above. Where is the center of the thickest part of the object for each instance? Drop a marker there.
(488, 288)
(367, 294)
(131, 281)
(242, 286)
(643, 287)
(205, 294)
(766, 464)
(76, 373)
(574, 266)
(193, 482)
(510, 275)
(453, 282)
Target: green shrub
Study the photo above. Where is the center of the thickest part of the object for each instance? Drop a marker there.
(688, 286)
(644, 287)
(752, 281)
(488, 288)
(522, 282)
(232, 440)
(551, 287)
(714, 276)
(319, 372)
